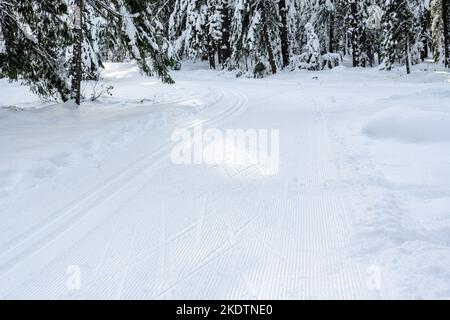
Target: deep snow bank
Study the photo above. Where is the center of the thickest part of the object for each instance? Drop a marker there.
(409, 125)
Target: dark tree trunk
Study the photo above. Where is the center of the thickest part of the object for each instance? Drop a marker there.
(266, 36)
(331, 34)
(77, 70)
(408, 56)
(211, 53)
(363, 44)
(345, 37)
(425, 38)
(225, 49)
(284, 33)
(354, 35)
(446, 21)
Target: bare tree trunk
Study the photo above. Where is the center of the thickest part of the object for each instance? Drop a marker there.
(354, 37)
(408, 57)
(211, 53)
(331, 33)
(225, 49)
(345, 36)
(446, 21)
(77, 69)
(284, 33)
(425, 22)
(266, 36)
(363, 57)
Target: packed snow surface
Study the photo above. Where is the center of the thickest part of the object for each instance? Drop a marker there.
(411, 125)
(91, 205)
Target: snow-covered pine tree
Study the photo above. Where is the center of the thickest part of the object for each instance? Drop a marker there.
(311, 56)
(425, 35)
(254, 49)
(341, 37)
(372, 32)
(268, 21)
(296, 19)
(35, 35)
(324, 23)
(357, 28)
(38, 41)
(196, 30)
(437, 34)
(440, 31)
(260, 42)
(330, 10)
(354, 21)
(236, 34)
(400, 26)
(135, 25)
(213, 25)
(446, 30)
(324, 19)
(260, 36)
(422, 20)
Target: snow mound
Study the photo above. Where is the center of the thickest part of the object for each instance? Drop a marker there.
(409, 125)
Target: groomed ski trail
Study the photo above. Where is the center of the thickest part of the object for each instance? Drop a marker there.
(35, 248)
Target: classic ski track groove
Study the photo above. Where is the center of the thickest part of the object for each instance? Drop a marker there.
(12, 244)
(19, 250)
(308, 251)
(350, 281)
(304, 253)
(333, 135)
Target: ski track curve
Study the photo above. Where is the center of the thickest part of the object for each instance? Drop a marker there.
(91, 193)
(291, 241)
(32, 250)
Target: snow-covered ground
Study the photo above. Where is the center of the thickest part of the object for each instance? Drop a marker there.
(91, 205)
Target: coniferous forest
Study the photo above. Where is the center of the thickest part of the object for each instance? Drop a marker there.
(38, 39)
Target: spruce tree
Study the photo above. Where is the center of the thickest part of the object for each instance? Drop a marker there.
(425, 36)
(265, 7)
(446, 30)
(39, 42)
(311, 56)
(35, 36)
(399, 27)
